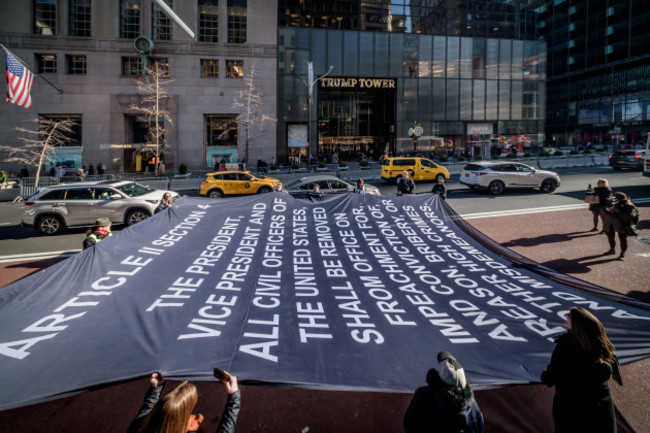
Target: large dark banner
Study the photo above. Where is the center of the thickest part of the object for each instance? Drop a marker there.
(352, 292)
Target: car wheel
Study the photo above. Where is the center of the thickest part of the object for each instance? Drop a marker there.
(215, 193)
(50, 225)
(548, 186)
(263, 190)
(411, 174)
(440, 177)
(496, 187)
(135, 216)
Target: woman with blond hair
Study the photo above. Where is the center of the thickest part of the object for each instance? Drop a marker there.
(173, 413)
(582, 363)
(604, 198)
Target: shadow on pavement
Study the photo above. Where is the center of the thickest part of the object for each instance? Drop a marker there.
(547, 239)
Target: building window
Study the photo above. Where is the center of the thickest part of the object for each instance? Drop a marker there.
(79, 18)
(130, 19)
(210, 68)
(45, 17)
(209, 20)
(161, 25)
(76, 65)
(46, 63)
(163, 62)
(237, 21)
(131, 66)
(234, 69)
(72, 138)
(221, 130)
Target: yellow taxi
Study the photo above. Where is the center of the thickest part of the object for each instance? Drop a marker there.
(235, 183)
(418, 169)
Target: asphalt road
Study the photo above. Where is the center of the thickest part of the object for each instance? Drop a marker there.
(16, 240)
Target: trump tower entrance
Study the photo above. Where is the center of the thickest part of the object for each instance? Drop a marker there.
(356, 117)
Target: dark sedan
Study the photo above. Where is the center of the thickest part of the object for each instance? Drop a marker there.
(627, 159)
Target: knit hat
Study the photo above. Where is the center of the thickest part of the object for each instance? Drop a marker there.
(451, 372)
(103, 221)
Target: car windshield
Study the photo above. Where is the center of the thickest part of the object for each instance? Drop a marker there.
(134, 189)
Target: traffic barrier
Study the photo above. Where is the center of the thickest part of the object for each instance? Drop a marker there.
(185, 184)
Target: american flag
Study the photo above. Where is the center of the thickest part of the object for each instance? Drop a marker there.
(19, 82)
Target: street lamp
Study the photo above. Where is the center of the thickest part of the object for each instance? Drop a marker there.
(309, 84)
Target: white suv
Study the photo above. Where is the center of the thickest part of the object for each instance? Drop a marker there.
(497, 176)
(55, 208)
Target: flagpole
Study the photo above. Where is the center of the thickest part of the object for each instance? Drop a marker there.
(36, 74)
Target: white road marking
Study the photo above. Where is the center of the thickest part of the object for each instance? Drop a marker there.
(478, 215)
(37, 256)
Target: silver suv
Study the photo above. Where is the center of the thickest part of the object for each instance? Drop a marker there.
(497, 176)
(55, 208)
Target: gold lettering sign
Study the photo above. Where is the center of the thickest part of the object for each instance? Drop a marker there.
(357, 83)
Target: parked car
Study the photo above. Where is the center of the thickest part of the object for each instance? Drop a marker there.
(236, 182)
(327, 184)
(418, 169)
(54, 208)
(497, 176)
(627, 159)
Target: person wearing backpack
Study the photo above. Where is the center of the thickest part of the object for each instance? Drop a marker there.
(446, 404)
(623, 216)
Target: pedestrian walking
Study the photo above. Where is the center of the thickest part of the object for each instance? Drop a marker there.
(100, 169)
(581, 365)
(620, 217)
(598, 198)
(405, 185)
(440, 188)
(446, 404)
(91, 170)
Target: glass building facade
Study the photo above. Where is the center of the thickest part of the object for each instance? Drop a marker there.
(599, 71)
(468, 79)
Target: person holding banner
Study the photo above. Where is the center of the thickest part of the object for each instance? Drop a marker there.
(173, 413)
(447, 404)
(405, 184)
(360, 187)
(165, 202)
(440, 188)
(101, 230)
(581, 365)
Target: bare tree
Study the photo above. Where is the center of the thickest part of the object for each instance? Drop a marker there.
(153, 105)
(39, 145)
(249, 100)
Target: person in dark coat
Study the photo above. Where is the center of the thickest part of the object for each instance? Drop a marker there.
(446, 404)
(173, 413)
(405, 185)
(604, 194)
(581, 365)
(620, 216)
(440, 188)
(91, 170)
